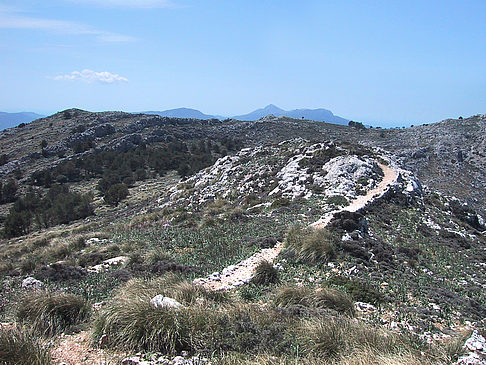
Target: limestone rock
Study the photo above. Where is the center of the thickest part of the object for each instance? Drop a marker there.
(159, 301)
(32, 283)
(476, 347)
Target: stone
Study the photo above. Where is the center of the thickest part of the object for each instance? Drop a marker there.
(159, 301)
(364, 307)
(476, 345)
(134, 360)
(178, 360)
(32, 283)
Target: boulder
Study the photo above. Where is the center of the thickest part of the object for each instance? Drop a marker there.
(159, 301)
(476, 347)
(32, 283)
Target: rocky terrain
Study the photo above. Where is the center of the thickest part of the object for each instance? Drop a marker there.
(276, 241)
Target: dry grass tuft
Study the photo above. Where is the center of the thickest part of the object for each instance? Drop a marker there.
(313, 246)
(19, 347)
(50, 313)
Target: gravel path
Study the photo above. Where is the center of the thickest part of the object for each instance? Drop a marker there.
(236, 275)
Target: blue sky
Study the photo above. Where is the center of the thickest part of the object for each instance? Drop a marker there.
(380, 62)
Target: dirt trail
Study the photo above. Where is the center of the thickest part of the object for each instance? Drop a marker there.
(77, 349)
(241, 273)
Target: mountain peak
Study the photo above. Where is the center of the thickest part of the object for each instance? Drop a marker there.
(320, 115)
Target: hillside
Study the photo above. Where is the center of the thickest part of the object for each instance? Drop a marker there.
(149, 232)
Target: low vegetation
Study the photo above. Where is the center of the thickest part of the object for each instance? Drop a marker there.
(58, 206)
(19, 347)
(223, 326)
(50, 313)
(311, 246)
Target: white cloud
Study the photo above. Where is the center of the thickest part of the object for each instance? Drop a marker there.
(92, 76)
(11, 19)
(143, 4)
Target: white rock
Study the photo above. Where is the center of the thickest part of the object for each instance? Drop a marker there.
(134, 360)
(364, 307)
(476, 345)
(159, 301)
(32, 283)
(107, 264)
(178, 360)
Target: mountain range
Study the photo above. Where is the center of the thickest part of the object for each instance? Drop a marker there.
(320, 115)
(9, 120)
(183, 113)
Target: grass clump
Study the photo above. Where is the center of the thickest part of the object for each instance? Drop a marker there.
(50, 313)
(265, 274)
(321, 298)
(337, 200)
(18, 347)
(313, 246)
(358, 290)
(338, 337)
(204, 323)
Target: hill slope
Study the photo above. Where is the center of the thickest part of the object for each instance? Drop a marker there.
(374, 252)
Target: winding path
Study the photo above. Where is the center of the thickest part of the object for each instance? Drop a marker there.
(236, 275)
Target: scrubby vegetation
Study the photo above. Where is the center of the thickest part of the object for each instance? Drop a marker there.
(19, 347)
(59, 205)
(50, 313)
(211, 324)
(265, 273)
(311, 246)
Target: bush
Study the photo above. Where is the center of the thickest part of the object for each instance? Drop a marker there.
(18, 347)
(337, 200)
(338, 337)
(8, 191)
(58, 206)
(358, 290)
(322, 298)
(116, 194)
(312, 246)
(265, 274)
(50, 313)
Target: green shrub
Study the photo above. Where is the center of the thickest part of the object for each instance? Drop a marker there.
(337, 200)
(18, 347)
(281, 202)
(115, 194)
(50, 313)
(265, 274)
(358, 290)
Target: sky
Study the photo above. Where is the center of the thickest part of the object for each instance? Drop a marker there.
(388, 63)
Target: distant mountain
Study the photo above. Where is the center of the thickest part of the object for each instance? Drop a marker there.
(183, 113)
(9, 120)
(321, 115)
